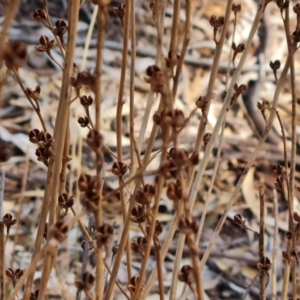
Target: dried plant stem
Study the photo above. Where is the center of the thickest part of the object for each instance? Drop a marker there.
(201, 128)
(101, 19)
(159, 266)
(261, 241)
(30, 270)
(89, 37)
(133, 155)
(250, 286)
(291, 187)
(10, 13)
(286, 274)
(173, 43)
(54, 168)
(34, 106)
(159, 29)
(275, 241)
(119, 124)
(177, 264)
(2, 259)
(247, 168)
(150, 235)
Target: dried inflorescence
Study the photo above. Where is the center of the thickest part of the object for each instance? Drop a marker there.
(34, 296)
(263, 106)
(45, 44)
(84, 122)
(139, 214)
(238, 219)
(59, 231)
(9, 221)
(174, 191)
(86, 282)
(236, 50)
(44, 142)
(120, 12)
(290, 257)
(14, 275)
(88, 185)
(156, 78)
(131, 286)
(172, 60)
(275, 66)
(186, 274)
(119, 168)
(265, 266)
(238, 90)
(34, 94)
(104, 236)
(83, 78)
(216, 23)
(145, 195)
(14, 55)
(139, 245)
(65, 203)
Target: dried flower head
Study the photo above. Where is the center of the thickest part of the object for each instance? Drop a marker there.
(187, 226)
(145, 195)
(138, 214)
(94, 140)
(139, 246)
(40, 16)
(186, 274)
(45, 44)
(104, 236)
(14, 55)
(14, 275)
(59, 231)
(156, 79)
(83, 122)
(86, 282)
(119, 169)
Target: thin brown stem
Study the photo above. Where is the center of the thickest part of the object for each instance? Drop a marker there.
(261, 241)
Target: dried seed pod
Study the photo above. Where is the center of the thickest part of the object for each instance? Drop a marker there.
(45, 44)
(131, 286)
(202, 103)
(86, 282)
(145, 195)
(174, 191)
(236, 8)
(61, 28)
(84, 182)
(296, 217)
(263, 106)
(139, 246)
(86, 78)
(120, 12)
(14, 275)
(172, 60)
(59, 231)
(119, 169)
(155, 78)
(138, 214)
(34, 296)
(186, 274)
(104, 236)
(40, 16)
(94, 140)
(86, 101)
(8, 220)
(187, 226)
(83, 122)
(64, 201)
(34, 94)
(14, 55)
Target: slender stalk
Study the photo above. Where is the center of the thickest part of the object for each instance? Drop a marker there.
(119, 123)
(159, 266)
(247, 168)
(2, 238)
(275, 241)
(261, 241)
(102, 21)
(54, 168)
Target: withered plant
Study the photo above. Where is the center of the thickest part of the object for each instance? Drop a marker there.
(180, 171)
